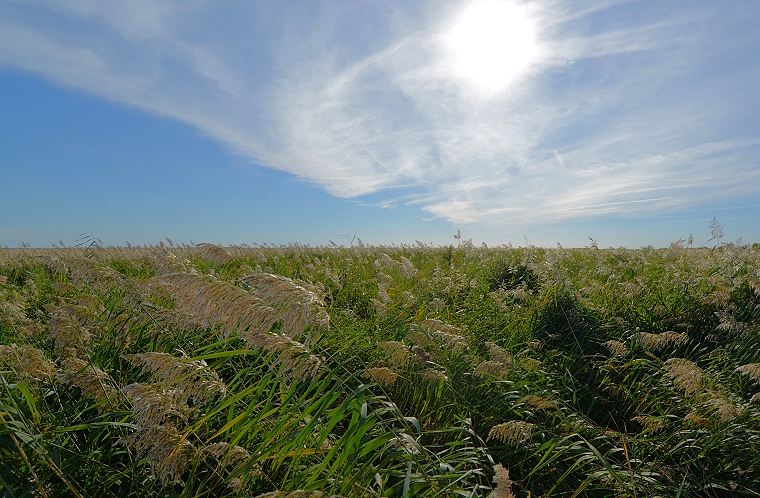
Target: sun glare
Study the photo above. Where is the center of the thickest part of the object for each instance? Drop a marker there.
(492, 42)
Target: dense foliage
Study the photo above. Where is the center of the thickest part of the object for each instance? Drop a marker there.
(379, 371)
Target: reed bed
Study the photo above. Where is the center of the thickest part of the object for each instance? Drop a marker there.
(294, 371)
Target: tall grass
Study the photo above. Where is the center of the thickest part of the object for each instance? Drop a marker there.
(177, 370)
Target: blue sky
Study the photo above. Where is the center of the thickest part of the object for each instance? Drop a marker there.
(631, 122)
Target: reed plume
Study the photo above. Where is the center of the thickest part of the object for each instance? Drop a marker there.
(658, 342)
(697, 420)
(232, 458)
(295, 357)
(93, 382)
(514, 431)
(382, 375)
(154, 405)
(686, 374)
(503, 488)
(215, 253)
(723, 409)
(530, 364)
(650, 423)
(752, 370)
(491, 368)
(298, 304)
(167, 450)
(192, 378)
(538, 402)
(214, 302)
(432, 376)
(28, 362)
(70, 338)
(729, 323)
(397, 353)
(448, 334)
(497, 353)
(616, 347)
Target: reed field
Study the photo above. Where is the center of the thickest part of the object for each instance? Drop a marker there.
(294, 371)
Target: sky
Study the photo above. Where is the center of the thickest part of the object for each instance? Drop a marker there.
(545, 122)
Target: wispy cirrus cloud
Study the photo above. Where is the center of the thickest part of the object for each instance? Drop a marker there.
(630, 110)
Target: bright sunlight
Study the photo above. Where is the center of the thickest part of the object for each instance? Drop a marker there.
(492, 42)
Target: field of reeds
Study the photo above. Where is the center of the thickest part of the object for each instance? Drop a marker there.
(292, 371)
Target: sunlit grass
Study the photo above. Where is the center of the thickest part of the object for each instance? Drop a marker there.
(379, 371)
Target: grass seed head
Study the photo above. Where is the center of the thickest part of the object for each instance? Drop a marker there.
(167, 450)
(503, 488)
(28, 362)
(616, 347)
(752, 370)
(497, 353)
(491, 368)
(382, 375)
(686, 375)
(396, 353)
(514, 431)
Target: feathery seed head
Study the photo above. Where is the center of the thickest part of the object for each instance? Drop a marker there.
(432, 376)
(154, 406)
(697, 420)
(503, 483)
(397, 353)
(297, 304)
(617, 347)
(491, 368)
(658, 342)
(295, 357)
(448, 334)
(93, 382)
(210, 302)
(538, 402)
(382, 375)
(497, 353)
(192, 378)
(167, 450)
(513, 431)
(650, 424)
(530, 364)
(28, 362)
(751, 369)
(723, 409)
(686, 374)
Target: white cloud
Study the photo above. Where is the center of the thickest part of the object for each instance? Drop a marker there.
(633, 111)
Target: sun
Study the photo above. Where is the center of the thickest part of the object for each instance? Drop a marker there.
(492, 42)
